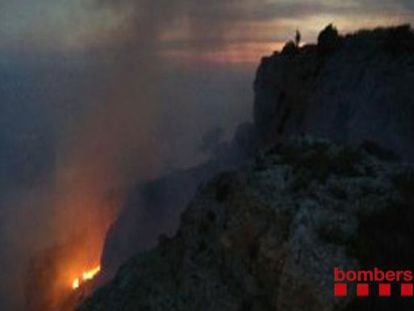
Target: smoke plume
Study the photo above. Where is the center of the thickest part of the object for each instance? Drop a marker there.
(128, 113)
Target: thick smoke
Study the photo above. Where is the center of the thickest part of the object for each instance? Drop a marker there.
(119, 137)
(129, 114)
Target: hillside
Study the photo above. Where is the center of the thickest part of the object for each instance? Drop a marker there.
(267, 235)
(346, 88)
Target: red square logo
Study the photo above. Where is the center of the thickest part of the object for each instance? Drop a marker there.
(406, 290)
(340, 290)
(362, 290)
(384, 290)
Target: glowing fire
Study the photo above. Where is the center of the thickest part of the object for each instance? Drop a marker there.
(86, 276)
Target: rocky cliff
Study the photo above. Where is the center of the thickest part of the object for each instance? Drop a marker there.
(267, 237)
(345, 88)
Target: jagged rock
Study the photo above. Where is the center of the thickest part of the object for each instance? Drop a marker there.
(267, 236)
(346, 88)
(328, 40)
(290, 49)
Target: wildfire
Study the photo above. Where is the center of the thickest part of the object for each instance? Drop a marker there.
(86, 276)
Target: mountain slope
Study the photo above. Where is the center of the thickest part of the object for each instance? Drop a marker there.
(345, 88)
(268, 236)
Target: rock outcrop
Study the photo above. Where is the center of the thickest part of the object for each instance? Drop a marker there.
(267, 237)
(346, 88)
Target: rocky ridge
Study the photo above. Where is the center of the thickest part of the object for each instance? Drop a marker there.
(266, 237)
(347, 88)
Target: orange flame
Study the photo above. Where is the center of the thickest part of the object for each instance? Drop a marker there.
(75, 283)
(86, 276)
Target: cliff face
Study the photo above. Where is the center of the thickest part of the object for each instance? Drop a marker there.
(267, 237)
(348, 89)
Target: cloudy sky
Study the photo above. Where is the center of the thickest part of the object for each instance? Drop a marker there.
(228, 30)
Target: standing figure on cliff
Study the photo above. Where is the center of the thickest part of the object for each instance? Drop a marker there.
(297, 38)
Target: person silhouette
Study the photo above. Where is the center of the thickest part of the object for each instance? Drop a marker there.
(297, 38)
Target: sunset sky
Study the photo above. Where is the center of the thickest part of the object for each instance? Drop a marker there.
(234, 31)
